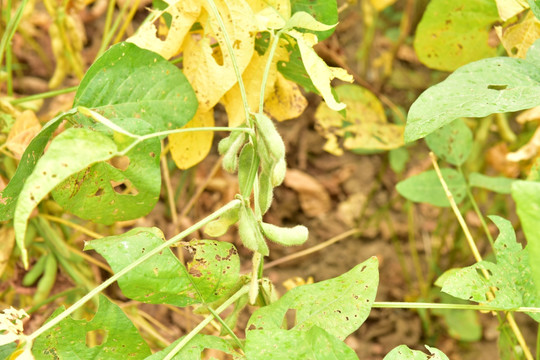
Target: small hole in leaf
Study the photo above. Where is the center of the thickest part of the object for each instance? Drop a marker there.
(99, 192)
(96, 337)
(153, 154)
(120, 162)
(514, 51)
(290, 317)
(497, 87)
(124, 187)
(216, 53)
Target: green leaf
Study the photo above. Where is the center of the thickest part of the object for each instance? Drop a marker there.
(535, 7)
(402, 352)
(426, 187)
(58, 163)
(130, 82)
(452, 143)
(124, 188)
(485, 87)
(398, 159)
(455, 33)
(195, 347)
(7, 349)
(163, 279)
(313, 344)
(526, 194)
(511, 275)
(499, 185)
(340, 305)
(67, 340)
(295, 70)
(324, 11)
(33, 152)
(463, 325)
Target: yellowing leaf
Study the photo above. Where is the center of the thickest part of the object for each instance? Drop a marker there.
(529, 115)
(7, 240)
(518, 38)
(321, 74)
(510, 8)
(380, 5)
(283, 7)
(285, 101)
(23, 131)
(210, 70)
(184, 14)
(190, 148)
(364, 128)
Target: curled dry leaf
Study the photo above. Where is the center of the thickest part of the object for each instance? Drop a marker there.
(314, 198)
(24, 129)
(190, 148)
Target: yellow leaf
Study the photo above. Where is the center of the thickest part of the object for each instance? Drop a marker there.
(518, 38)
(510, 8)
(7, 240)
(252, 78)
(210, 70)
(261, 7)
(285, 101)
(190, 148)
(365, 126)
(23, 131)
(321, 74)
(184, 14)
(380, 5)
(529, 115)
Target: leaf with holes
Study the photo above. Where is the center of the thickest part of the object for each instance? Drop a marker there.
(29, 159)
(402, 352)
(510, 277)
(452, 142)
(295, 344)
(123, 188)
(118, 337)
(195, 348)
(163, 279)
(526, 194)
(454, 33)
(340, 305)
(485, 87)
(426, 187)
(130, 82)
(55, 166)
(324, 11)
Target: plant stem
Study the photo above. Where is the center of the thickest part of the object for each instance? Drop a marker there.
(226, 327)
(205, 322)
(243, 93)
(10, 29)
(77, 227)
(44, 95)
(30, 338)
(414, 305)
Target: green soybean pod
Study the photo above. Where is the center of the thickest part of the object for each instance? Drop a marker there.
(248, 165)
(35, 272)
(250, 232)
(278, 172)
(48, 279)
(227, 142)
(270, 135)
(266, 192)
(220, 226)
(230, 159)
(285, 236)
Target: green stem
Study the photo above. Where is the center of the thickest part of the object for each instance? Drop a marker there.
(266, 73)
(205, 322)
(243, 93)
(413, 305)
(30, 338)
(44, 95)
(226, 327)
(11, 28)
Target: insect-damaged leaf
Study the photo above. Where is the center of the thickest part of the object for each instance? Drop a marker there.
(67, 340)
(426, 187)
(485, 87)
(510, 277)
(124, 188)
(295, 344)
(364, 127)
(324, 11)
(452, 142)
(163, 279)
(517, 38)
(130, 82)
(340, 305)
(54, 167)
(402, 352)
(454, 33)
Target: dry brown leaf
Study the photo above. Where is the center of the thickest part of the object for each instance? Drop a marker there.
(190, 148)
(527, 151)
(496, 158)
(23, 131)
(314, 198)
